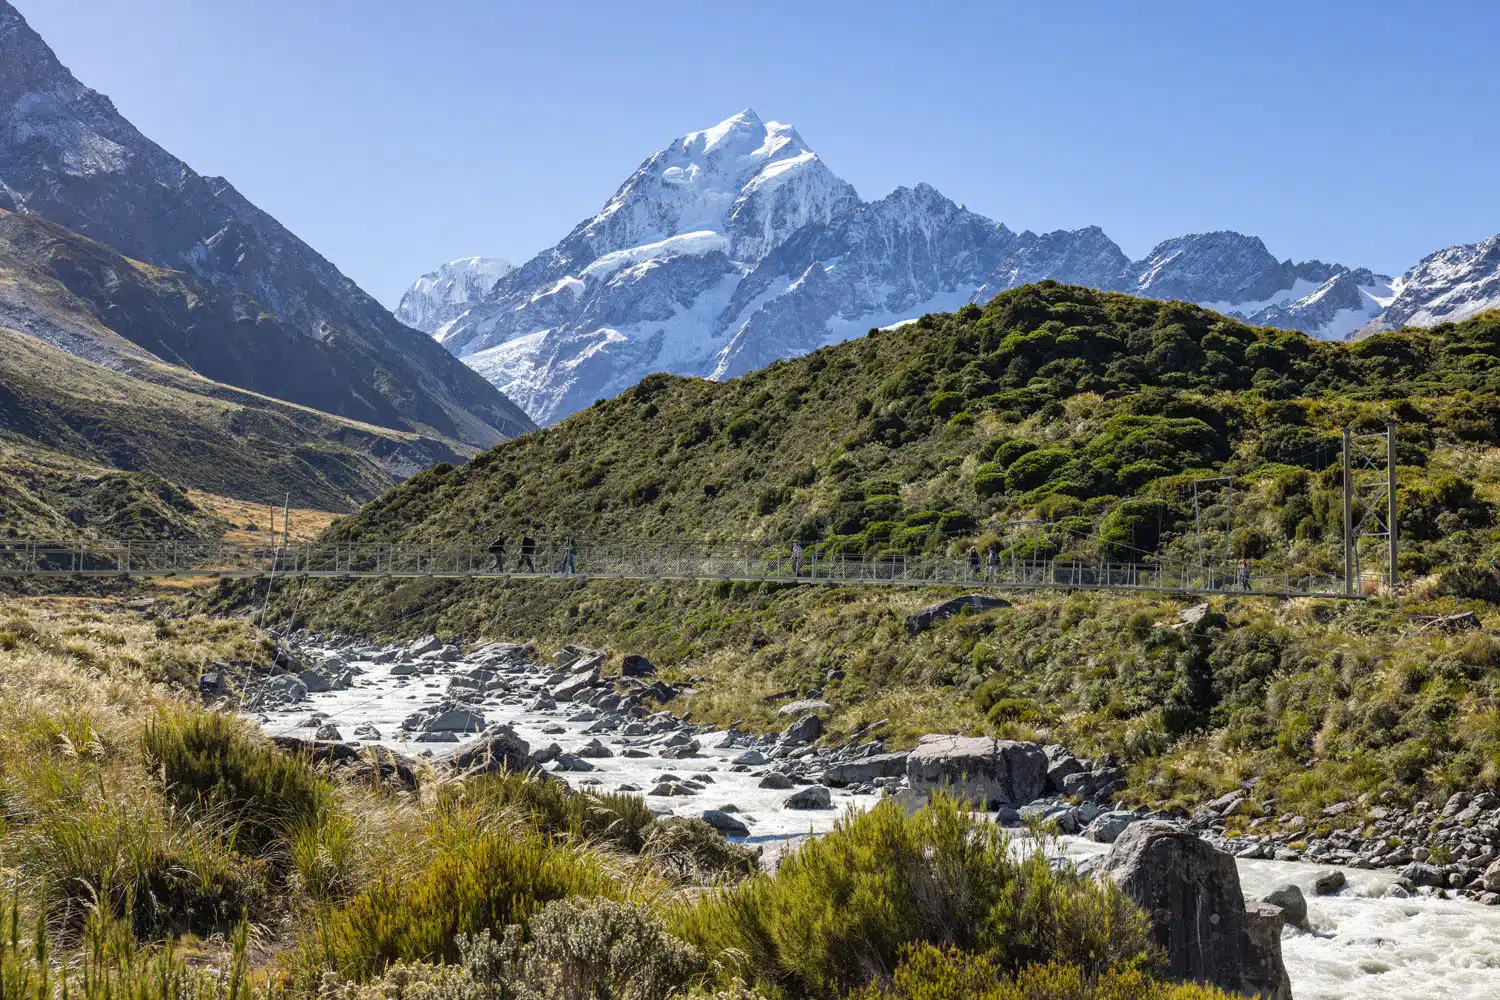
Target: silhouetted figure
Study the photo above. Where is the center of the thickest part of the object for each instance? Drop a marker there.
(497, 549)
(974, 563)
(569, 551)
(528, 551)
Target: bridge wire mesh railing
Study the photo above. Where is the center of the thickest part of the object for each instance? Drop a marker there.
(709, 561)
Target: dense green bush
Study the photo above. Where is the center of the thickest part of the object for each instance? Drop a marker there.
(839, 912)
(483, 876)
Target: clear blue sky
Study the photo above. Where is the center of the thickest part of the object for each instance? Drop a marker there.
(393, 135)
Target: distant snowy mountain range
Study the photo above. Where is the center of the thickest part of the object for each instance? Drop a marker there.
(736, 246)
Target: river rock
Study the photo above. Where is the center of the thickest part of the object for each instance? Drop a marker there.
(1191, 894)
(1107, 827)
(579, 680)
(365, 731)
(328, 731)
(751, 757)
(920, 621)
(429, 644)
(725, 823)
(1293, 905)
(866, 769)
(1329, 882)
(811, 797)
(594, 750)
(988, 772)
(446, 717)
(281, 691)
(498, 749)
(804, 730)
(775, 780)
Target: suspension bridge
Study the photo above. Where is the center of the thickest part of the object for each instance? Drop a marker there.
(734, 562)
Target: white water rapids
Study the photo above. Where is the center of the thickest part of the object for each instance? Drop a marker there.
(1366, 945)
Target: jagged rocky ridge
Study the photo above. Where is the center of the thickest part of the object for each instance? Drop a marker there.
(68, 156)
(736, 246)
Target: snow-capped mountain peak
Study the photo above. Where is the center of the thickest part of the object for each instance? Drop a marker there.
(440, 296)
(752, 181)
(734, 246)
(1448, 285)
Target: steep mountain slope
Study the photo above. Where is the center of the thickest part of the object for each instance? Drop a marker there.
(1052, 401)
(1449, 285)
(67, 155)
(441, 296)
(735, 246)
(164, 419)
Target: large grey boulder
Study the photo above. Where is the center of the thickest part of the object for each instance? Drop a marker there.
(725, 823)
(859, 772)
(1289, 900)
(920, 621)
(428, 644)
(811, 797)
(807, 706)
(1191, 893)
(988, 772)
(584, 676)
(804, 730)
(1107, 827)
(446, 717)
(498, 749)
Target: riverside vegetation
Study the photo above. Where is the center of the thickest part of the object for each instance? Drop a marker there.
(153, 849)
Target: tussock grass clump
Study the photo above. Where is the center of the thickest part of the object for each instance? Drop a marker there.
(839, 913)
(213, 766)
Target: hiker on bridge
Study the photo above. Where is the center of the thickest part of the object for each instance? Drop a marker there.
(1244, 574)
(797, 558)
(992, 564)
(497, 549)
(569, 551)
(528, 550)
(973, 563)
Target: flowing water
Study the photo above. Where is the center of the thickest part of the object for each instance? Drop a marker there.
(1365, 944)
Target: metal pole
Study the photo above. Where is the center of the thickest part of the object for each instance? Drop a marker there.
(1390, 461)
(1348, 521)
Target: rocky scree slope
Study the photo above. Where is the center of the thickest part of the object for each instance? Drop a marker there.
(67, 155)
(736, 246)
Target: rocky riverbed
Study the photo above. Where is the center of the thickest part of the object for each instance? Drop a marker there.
(1396, 932)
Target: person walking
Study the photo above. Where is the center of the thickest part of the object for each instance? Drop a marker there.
(569, 551)
(797, 558)
(528, 550)
(973, 563)
(497, 550)
(1244, 574)
(992, 564)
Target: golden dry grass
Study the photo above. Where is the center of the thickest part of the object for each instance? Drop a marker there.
(307, 523)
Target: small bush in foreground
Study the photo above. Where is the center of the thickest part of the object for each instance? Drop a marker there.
(838, 913)
(482, 878)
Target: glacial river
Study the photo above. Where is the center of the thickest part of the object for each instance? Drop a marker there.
(1365, 944)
